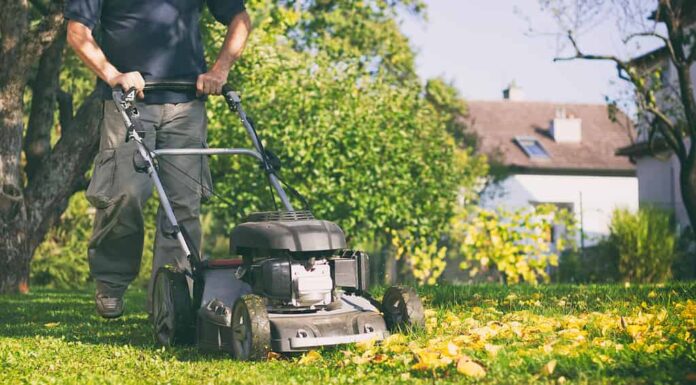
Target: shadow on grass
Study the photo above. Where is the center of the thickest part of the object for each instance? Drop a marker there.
(70, 315)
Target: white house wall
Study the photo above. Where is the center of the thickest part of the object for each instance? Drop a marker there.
(596, 195)
(658, 185)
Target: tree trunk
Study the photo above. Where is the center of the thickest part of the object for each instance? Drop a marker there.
(687, 184)
(28, 209)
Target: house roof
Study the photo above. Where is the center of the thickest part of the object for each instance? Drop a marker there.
(498, 123)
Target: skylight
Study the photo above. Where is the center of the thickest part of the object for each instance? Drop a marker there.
(532, 147)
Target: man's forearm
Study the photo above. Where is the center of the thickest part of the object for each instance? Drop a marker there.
(237, 33)
(238, 30)
(81, 40)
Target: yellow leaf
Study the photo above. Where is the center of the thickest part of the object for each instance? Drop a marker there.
(420, 366)
(492, 349)
(366, 345)
(309, 357)
(51, 324)
(470, 368)
(272, 356)
(548, 368)
(450, 350)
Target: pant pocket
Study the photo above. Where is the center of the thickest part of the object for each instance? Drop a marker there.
(206, 177)
(100, 191)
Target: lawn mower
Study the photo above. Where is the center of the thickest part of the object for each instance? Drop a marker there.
(292, 284)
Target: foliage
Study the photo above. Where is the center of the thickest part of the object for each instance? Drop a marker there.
(445, 98)
(593, 264)
(515, 243)
(549, 334)
(643, 244)
(426, 260)
(369, 155)
(61, 260)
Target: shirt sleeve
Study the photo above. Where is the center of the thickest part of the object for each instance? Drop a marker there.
(225, 10)
(86, 12)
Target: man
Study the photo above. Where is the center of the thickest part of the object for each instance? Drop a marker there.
(144, 40)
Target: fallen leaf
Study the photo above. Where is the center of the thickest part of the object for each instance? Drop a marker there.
(51, 324)
(470, 368)
(548, 368)
(379, 358)
(309, 357)
(272, 356)
(492, 349)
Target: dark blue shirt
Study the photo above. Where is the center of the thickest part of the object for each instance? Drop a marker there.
(161, 39)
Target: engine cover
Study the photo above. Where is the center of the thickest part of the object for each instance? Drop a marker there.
(286, 233)
(298, 284)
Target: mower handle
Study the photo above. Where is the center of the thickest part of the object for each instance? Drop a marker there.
(178, 85)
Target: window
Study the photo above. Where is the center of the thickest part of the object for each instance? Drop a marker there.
(532, 147)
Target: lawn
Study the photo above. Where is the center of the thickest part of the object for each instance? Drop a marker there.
(474, 334)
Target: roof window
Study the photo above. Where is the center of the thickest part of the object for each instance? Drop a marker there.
(532, 147)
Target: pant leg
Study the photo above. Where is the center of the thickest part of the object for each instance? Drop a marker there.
(184, 125)
(119, 193)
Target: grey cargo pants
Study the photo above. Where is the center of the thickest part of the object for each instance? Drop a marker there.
(119, 192)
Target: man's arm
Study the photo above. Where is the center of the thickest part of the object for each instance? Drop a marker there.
(211, 82)
(81, 40)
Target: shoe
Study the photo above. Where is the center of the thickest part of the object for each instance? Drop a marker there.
(108, 307)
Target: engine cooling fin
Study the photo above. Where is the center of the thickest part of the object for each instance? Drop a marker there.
(279, 216)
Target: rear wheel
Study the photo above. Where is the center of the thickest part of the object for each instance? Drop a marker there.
(251, 329)
(402, 308)
(171, 308)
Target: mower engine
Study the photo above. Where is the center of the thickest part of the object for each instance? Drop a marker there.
(293, 283)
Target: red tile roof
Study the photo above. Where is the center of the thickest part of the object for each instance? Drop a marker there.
(497, 123)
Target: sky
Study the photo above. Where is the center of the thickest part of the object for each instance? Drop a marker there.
(482, 45)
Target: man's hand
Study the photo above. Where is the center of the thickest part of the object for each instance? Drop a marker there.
(211, 82)
(129, 80)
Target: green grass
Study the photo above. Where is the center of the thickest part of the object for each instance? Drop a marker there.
(52, 336)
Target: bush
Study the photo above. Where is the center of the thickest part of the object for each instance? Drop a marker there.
(642, 244)
(591, 265)
(516, 244)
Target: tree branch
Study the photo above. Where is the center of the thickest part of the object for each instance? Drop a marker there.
(670, 132)
(65, 109)
(62, 173)
(37, 143)
(40, 7)
(667, 129)
(665, 40)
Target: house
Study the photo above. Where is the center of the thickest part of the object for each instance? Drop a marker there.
(557, 153)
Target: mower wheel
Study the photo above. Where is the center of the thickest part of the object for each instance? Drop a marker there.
(251, 329)
(402, 308)
(171, 308)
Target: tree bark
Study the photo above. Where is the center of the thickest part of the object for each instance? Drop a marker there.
(27, 210)
(45, 87)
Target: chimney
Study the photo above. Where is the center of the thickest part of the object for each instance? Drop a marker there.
(513, 92)
(566, 128)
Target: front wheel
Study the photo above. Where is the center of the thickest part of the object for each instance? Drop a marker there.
(251, 329)
(402, 308)
(171, 308)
